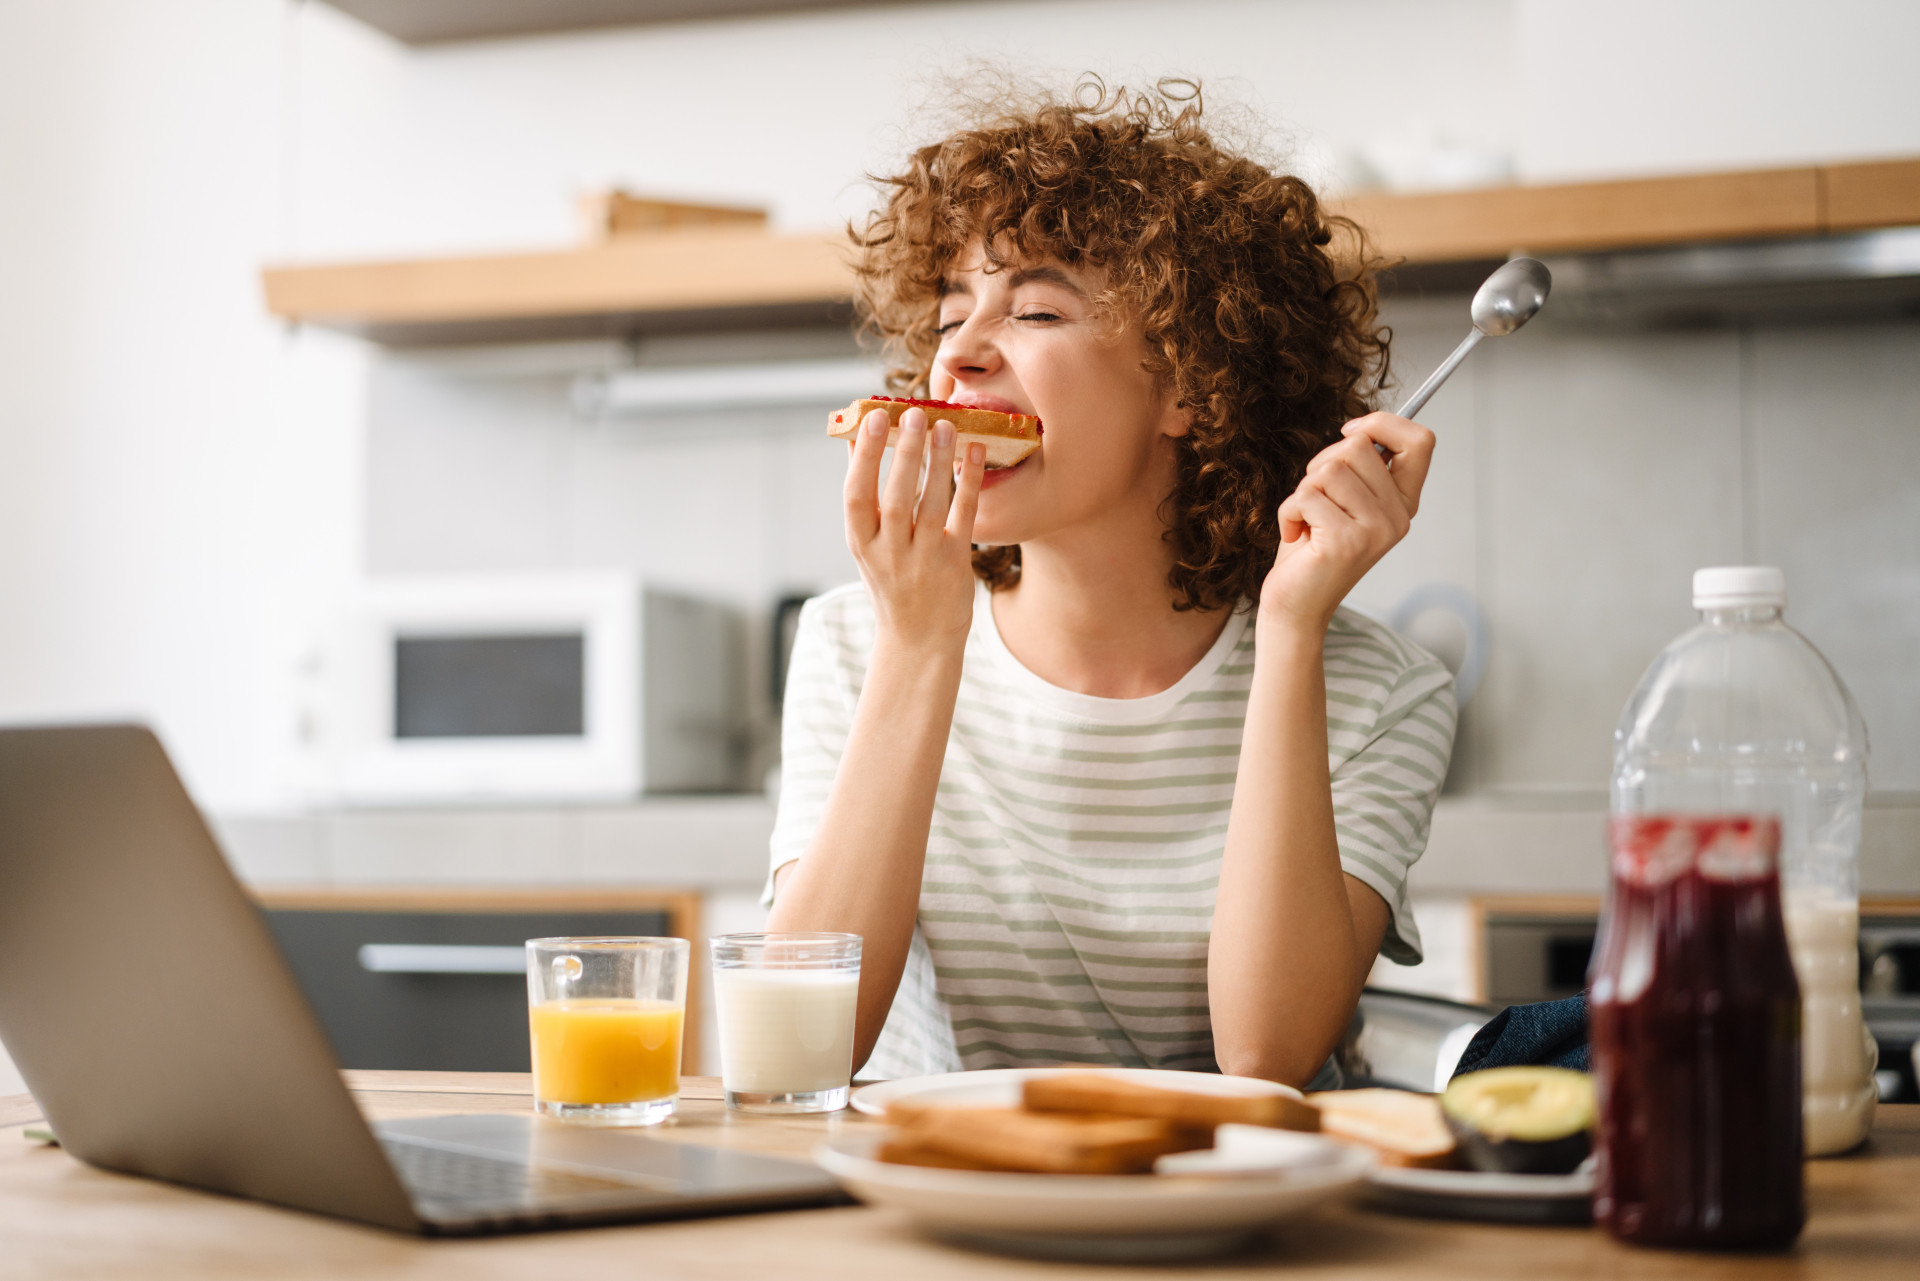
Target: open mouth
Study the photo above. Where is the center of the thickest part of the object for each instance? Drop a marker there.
(995, 475)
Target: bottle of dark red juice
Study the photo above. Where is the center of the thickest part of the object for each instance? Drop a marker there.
(1696, 1038)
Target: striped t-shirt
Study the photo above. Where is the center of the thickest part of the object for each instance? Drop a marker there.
(1076, 841)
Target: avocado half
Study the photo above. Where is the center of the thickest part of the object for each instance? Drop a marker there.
(1521, 1120)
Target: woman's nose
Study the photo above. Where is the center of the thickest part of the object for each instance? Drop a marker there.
(968, 352)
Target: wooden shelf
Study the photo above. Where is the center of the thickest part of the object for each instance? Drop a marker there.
(427, 22)
(683, 906)
(1693, 208)
(728, 277)
(685, 279)
(1865, 196)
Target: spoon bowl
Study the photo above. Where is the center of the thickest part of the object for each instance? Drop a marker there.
(1511, 296)
(1506, 300)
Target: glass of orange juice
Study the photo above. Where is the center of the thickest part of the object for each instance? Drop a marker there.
(605, 1015)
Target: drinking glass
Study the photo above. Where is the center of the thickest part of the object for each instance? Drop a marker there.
(786, 1005)
(606, 1016)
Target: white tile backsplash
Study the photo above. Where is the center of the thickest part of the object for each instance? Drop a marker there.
(1835, 426)
(465, 473)
(685, 508)
(482, 462)
(1613, 474)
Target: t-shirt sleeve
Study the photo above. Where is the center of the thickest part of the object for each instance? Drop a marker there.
(1384, 792)
(815, 718)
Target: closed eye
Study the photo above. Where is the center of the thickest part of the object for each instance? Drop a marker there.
(1039, 317)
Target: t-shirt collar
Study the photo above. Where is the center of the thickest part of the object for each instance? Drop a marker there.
(1112, 711)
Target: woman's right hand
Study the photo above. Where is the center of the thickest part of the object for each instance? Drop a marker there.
(914, 543)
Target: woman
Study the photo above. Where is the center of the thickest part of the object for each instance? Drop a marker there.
(1123, 783)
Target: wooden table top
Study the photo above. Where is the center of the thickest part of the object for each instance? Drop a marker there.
(59, 1219)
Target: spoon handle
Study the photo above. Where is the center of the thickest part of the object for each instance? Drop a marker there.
(1416, 402)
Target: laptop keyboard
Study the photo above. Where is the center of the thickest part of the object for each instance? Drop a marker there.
(460, 1180)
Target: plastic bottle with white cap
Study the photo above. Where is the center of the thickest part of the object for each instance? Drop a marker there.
(1742, 715)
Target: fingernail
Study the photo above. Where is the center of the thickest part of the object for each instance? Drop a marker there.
(877, 422)
(943, 433)
(976, 453)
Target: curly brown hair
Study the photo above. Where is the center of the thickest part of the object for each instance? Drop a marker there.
(1266, 333)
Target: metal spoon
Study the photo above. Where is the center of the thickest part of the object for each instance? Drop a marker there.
(1507, 300)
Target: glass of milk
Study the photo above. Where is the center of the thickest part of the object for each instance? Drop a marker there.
(785, 1004)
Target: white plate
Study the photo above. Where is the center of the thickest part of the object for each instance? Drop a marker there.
(1000, 1087)
(1115, 1216)
(1474, 1194)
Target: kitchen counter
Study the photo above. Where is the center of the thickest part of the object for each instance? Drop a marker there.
(708, 843)
(1481, 843)
(60, 1219)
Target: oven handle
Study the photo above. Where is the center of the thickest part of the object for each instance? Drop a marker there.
(441, 958)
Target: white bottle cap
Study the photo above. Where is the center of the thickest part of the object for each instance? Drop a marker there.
(1739, 587)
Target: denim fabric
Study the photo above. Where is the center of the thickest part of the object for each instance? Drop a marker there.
(1549, 1034)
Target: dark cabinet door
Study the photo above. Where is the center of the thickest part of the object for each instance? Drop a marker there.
(389, 988)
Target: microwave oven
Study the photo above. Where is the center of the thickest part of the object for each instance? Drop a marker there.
(533, 687)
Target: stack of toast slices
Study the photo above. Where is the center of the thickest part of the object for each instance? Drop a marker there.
(1095, 1123)
(1082, 1123)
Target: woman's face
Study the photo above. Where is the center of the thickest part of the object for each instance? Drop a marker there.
(1027, 339)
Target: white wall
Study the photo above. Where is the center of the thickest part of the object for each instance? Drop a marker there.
(1651, 86)
(178, 475)
(484, 145)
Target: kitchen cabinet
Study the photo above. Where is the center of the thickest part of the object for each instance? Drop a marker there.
(435, 980)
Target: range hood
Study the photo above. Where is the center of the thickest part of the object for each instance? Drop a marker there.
(1870, 275)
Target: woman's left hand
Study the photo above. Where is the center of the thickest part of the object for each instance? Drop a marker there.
(1348, 512)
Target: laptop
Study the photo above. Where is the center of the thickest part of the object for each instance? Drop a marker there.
(162, 1034)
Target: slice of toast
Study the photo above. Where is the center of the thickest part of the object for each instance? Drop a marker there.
(1008, 438)
(1406, 1129)
(906, 1150)
(1011, 1139)
(1102, 1092)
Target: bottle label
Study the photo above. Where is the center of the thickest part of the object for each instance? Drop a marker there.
(1652, 850)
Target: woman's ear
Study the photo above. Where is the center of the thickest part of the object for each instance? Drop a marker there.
(1176, 420)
